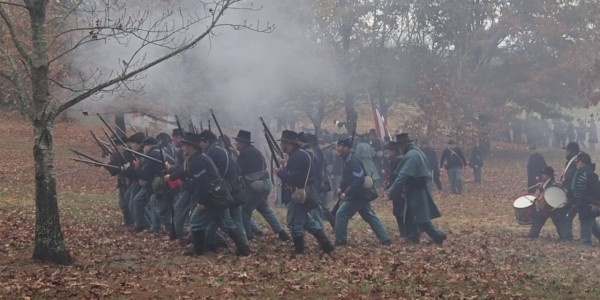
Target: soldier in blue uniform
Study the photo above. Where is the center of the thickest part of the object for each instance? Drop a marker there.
(351, 193)
(295, 173)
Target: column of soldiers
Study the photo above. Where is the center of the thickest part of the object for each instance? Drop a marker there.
(199, 179)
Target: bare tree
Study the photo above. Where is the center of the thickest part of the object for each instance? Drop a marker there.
(45, 33)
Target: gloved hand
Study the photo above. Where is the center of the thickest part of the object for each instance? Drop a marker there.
(125, 166)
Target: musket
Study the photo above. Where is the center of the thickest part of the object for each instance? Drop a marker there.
(110, 129)
(271, 138)
(89, 162)
(201, 127)
(86, 156)
(105, 150)
(226, 145)
(115, 146)
(329, 146)
(143, 155)
(274, 155)
(121, 130)
(179, 125)
(133, 128)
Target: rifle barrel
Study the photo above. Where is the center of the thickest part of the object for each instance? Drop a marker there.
(95, 163)
(85, 155)
(143, 155)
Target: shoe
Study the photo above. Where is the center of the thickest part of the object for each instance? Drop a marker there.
(283, 236)
(299, 244)
(324, 242)
(241, 243)
(441, 239)
(386, 243)
(197, 244)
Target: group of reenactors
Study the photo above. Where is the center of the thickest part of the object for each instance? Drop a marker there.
(581, 187)
(201, 179)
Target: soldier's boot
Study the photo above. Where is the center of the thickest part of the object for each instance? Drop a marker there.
(299, 244)
(283, 236)
(323, 240)
(240, 243)
(197, 244)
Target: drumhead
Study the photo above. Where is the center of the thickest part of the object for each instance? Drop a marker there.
(524, 201)
(555, 196)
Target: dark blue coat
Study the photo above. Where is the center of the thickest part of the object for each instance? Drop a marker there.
(295, 171)
(353, 178)
(227, 167)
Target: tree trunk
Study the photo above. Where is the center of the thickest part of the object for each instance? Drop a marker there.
(120, 123)
(49, 241)
(351, 114)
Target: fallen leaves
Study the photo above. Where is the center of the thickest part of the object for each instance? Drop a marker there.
(485, 256)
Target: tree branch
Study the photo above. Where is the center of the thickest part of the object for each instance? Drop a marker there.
(14, 4)
(219, 9)
(13, 35)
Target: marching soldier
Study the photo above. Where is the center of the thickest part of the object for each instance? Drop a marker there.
(351, 195)
(256, 179)
(228, 171)
(295, 174)
(413, 184)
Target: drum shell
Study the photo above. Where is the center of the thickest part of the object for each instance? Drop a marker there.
(524, 210)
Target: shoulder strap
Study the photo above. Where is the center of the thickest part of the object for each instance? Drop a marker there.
(212, 163)
(309, 166)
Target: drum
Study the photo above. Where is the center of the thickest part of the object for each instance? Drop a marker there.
(524, 209)
(554, 197)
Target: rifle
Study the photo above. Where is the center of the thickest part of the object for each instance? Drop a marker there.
(179, 126)
(105, 151)
(201, 127)
(152, 159)
(121, 130)
(86, 156)
(115, 147)
(110, 129)
(97, 164)
(133, 128)
(328, 146)
(271, 138)
(226, 145)
(338, 202)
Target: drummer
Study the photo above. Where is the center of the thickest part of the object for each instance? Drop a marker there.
(539, 217)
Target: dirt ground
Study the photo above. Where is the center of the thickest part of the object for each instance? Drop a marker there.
(486, 254)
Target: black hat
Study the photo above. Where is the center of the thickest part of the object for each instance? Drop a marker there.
(548, 170)
(572, 147)
(208, 136)
(451, 142)
(289, 136)
(347, 141)
(312, 138)
(191, 139)
(164, 137)
(302, 137)
(150, 141)
(177, 131)
(403, 139)
(584, 158)
(392, 145)
(244, 137)
(137, 138)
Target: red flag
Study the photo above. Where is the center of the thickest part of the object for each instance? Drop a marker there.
(380, 123)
